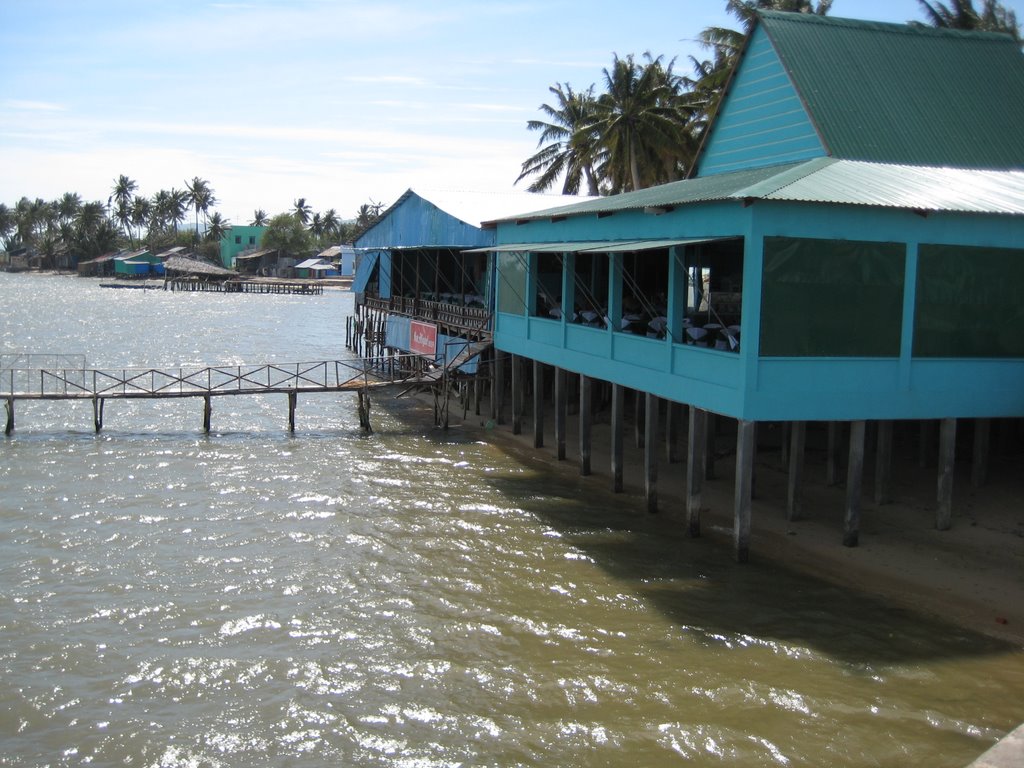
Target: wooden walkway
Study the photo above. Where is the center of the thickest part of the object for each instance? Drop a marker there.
(98, 385)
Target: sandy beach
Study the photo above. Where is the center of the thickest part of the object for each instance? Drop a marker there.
(971, 575)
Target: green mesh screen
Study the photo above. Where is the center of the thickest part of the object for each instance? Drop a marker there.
(831, 298)
(970, 302)
(512, 283)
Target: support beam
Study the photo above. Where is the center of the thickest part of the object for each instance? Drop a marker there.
(586, 393)
(742, 503)
(673, 418)
(618, 397)
(498, 390)
(797, 451)
(883, 464)
(979, 456)
(695, 453)
(97, 413)
(651, 451)
(854, 482)
(947, 458)
(207, 410)
(517, 395)
(293, 398)
(538, 404)
(561, 408)
(9, 406)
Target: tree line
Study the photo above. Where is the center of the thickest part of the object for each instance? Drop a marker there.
(68, 230)
(643, 127)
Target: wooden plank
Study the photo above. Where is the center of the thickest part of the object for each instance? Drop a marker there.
(854, 480)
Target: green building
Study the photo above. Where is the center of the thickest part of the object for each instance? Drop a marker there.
(238, 240)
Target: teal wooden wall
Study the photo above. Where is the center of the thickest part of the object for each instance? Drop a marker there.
(747, 385)
(762, 120)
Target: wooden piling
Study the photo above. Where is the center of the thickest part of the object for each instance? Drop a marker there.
(97, 413)
(517, 395)
(618, 402)
(538, 404)
(586, 391)
(651, 451)
(695, 453)
(561, 408)
(854, 481)
(797, 451)
(498, 391)
(9, 406)
(207, 411)
(947, 458)
(292, 400)
(883, 463)
(742, 503)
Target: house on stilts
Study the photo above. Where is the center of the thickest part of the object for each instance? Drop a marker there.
(849, 251)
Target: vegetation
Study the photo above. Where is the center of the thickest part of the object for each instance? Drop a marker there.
(645, 126)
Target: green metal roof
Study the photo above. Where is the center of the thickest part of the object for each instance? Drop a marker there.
(905, 94)
(829, 181)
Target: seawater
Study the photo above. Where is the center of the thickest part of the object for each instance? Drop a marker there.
(406, 598)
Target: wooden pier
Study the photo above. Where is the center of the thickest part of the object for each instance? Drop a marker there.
(256, 285)
(360, 375)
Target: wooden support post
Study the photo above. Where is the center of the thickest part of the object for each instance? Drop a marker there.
(696, 448)
(883, 463)
(207, 410)
(638, 418)
(711, 452)
(618, 397)
(498, 388)
(97, 413)
(673, 417)
(586, 390)
(947, 458)
(364, 412)
(979, 457)
(517, 395)
(797, 450)
(561, 407)
(742, 506)
(9, 406)
(833, 458)
(292, 400)
(854, 482)
(538, 404)
(651, 451)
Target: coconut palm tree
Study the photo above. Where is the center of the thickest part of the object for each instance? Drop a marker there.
(7, 224)
(141, 214)
(259, 218)
(568, 144)
(642, 123)
(69, 205)
(200, 197)
(961, 14)
(331, 223)
(302, 211)
(217, 228)
(121, 199)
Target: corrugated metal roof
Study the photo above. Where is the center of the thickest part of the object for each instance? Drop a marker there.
(906, 94)
(825, 180)
(595, 246)
(475, 208)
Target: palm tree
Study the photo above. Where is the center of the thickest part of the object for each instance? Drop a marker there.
(316, 226)
(259, 218)
(121, 197)
(643, 124)
(69, 205)
(331, 223)
(217, 228)
(568, 143)
(6, 224)
(303, 211)
(200, 197)
(961, 14)
(141, 213)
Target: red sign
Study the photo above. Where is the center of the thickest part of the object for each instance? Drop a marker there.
(423, 338)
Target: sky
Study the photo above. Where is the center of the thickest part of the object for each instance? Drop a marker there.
(338, 102)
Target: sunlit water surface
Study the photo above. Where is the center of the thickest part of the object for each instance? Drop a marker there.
(408, 598)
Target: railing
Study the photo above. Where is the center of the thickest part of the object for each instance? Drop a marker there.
(9, 360)
(66, 383)
(472, 321)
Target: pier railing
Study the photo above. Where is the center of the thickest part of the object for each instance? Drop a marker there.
(72, 382)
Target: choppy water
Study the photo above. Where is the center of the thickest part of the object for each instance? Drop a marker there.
(409, 598)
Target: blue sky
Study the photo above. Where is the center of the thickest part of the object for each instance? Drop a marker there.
(338, 102)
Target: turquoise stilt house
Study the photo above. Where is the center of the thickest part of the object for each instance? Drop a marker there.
(850, 249)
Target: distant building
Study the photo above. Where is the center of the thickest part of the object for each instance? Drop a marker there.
(238, 240)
